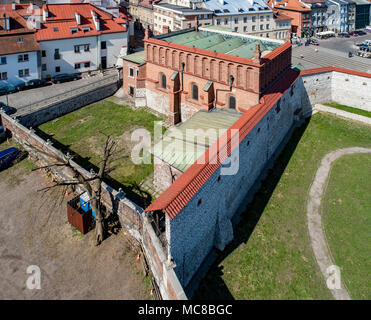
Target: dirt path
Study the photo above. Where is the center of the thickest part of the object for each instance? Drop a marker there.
(318, 240)
(71, 266)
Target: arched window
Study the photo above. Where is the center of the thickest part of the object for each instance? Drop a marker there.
(232, 102)
(163, 81)
(194, 91)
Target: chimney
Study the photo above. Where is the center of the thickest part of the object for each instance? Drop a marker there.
(196, 23)
(165, 29)
(288, 36)
(45, 14)
(257, 54)
(146, 33)
(13, 6)
(96, 21)
(6, 22)
(78, 18)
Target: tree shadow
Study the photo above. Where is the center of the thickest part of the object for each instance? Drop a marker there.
(132, 190)
(212, 287)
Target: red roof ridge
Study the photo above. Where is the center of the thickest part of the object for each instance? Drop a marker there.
(336, 69)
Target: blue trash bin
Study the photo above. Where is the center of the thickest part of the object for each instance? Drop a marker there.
(85, 203)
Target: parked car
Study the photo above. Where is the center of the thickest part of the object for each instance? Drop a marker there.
(8, 156)
(2, 133)
(360, 32)
(353, 34)
(64, 77)
(343, 35)
(7, 109)
(7, 89)
(314, 42)
(35, 83)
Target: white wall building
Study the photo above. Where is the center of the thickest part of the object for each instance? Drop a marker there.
(80, 37)
(19, 51)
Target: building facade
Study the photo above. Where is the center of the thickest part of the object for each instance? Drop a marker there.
(76, 38)
(318, 15)
(175, 15)
(337, 16)
(249, 17)
(363, 11)
(301, 22)
(19, 50)
(190, 70)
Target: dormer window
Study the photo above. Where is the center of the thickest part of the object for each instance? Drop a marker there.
(74, 30)
(55, 29)
(86, 29)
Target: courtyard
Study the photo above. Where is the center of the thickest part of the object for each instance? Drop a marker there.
(35, 231)
(83, 134)
(271, 256)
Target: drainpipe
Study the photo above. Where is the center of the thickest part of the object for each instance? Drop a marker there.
(181, 78)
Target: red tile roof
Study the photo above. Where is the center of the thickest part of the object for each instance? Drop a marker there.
(280, 16)
(292, 5)
(336, 69)
(10, 39)
(175, 198)
(62, 17)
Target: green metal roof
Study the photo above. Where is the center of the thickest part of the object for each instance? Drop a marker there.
(182, 145)
(222, 41)
(137, 57)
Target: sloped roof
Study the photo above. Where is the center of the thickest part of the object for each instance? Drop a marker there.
(184, 144)
(61, 19)
(222, 8)
(19, 38)
(233, 44)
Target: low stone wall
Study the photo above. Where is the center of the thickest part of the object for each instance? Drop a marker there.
(55, 110)
(130, 214)
(342, 113)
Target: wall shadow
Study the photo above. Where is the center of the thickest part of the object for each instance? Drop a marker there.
(212, 286)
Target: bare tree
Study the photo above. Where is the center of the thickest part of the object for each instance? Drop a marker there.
(92, 184)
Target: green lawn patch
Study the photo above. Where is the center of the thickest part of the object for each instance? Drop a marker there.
(346, 210)
(271, 256)
(348, 109)
(83, 132)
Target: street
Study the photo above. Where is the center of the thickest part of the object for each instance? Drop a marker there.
(332, 52)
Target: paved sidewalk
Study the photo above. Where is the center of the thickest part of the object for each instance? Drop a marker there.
(30, 100)
(342, 113)
(318, 239)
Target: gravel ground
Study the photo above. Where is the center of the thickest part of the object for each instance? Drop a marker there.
(72, 267)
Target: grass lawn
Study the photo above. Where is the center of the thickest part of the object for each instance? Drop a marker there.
(83, 132)
(271, 256)
(346, 210)
(348, 109)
